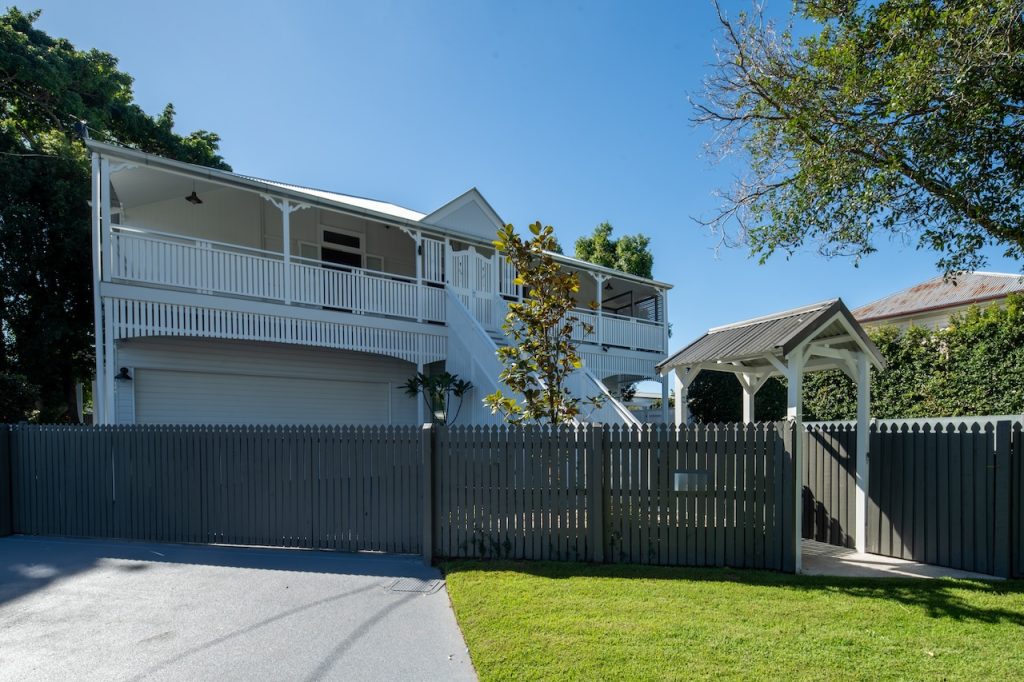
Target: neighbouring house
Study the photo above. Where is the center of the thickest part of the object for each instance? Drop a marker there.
(222, 298)
(932, 303)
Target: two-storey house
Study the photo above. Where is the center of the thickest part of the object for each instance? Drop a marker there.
(222, 298)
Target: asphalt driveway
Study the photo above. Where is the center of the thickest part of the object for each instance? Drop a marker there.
(80, 609)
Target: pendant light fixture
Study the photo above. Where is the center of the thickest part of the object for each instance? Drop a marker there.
(193, 198)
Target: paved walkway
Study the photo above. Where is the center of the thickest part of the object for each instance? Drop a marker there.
(84, 610)
(823, 559)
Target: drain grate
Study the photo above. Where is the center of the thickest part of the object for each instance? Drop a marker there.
(415, 585)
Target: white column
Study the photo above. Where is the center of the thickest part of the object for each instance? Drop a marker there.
(863, 424)
(108, 365)
(417, 238)
(105, 207)
(599, 279)
(98, 398)
(751, 384)
(664, 321)
(748, 405)
(683, 377)
(286, 229)
(665, 379)
(795, 415)
(447, 261)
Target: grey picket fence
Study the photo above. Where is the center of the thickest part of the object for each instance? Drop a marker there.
(610, 494)
(345, 488)
(945, 492)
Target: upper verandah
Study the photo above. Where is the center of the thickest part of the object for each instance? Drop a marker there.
(468, 218)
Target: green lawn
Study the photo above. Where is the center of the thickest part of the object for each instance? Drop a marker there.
(583, 622)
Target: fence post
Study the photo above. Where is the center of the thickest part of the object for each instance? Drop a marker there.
(6, 482)
(427, 443)
(596, 452)
(1001, 547)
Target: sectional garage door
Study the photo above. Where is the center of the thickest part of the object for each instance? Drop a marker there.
(176, 397)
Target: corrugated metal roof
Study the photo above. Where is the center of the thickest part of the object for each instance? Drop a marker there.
(361, 202)
(772, 334)
(936, 293)
(749, 338)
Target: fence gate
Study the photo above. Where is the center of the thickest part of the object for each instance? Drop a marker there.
(345, 488)
(945, 492)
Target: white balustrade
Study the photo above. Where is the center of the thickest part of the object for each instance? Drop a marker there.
(215, 267)
(630, 332)
(478, 282)
(205, 266)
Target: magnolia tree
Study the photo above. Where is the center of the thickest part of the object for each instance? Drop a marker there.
(541, 354)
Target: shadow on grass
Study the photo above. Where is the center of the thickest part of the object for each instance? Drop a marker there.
(938, 598)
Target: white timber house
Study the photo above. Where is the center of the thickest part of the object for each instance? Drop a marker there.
(227, 299)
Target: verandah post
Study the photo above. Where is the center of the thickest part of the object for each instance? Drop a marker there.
(428, 442)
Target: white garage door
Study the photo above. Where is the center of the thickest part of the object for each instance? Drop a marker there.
(172, 397)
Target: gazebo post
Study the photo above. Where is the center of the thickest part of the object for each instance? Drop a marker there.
(863, 425)
(748, 406)
(683, 378)
(751, 384)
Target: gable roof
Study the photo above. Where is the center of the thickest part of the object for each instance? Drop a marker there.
(470, 195)
(937, 293)
(775, 334)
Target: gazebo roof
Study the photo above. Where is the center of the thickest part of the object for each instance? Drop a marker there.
(747, 345)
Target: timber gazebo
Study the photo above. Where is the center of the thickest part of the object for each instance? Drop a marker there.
(788, 344)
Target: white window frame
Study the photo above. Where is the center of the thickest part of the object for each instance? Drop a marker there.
(361, 251)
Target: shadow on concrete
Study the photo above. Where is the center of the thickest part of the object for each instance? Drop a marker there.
(30, 563)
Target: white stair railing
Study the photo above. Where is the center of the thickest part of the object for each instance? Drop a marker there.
(471, 356)
(584, 384)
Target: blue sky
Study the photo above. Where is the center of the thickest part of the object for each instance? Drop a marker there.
(570, 113)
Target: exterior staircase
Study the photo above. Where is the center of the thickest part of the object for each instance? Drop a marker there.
(471, 355)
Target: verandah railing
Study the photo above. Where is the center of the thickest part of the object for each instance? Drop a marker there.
(206, 266)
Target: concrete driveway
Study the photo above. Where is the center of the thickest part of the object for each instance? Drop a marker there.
(80, 609)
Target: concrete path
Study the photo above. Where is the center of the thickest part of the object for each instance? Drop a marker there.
(101, 610)
(822, 559)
